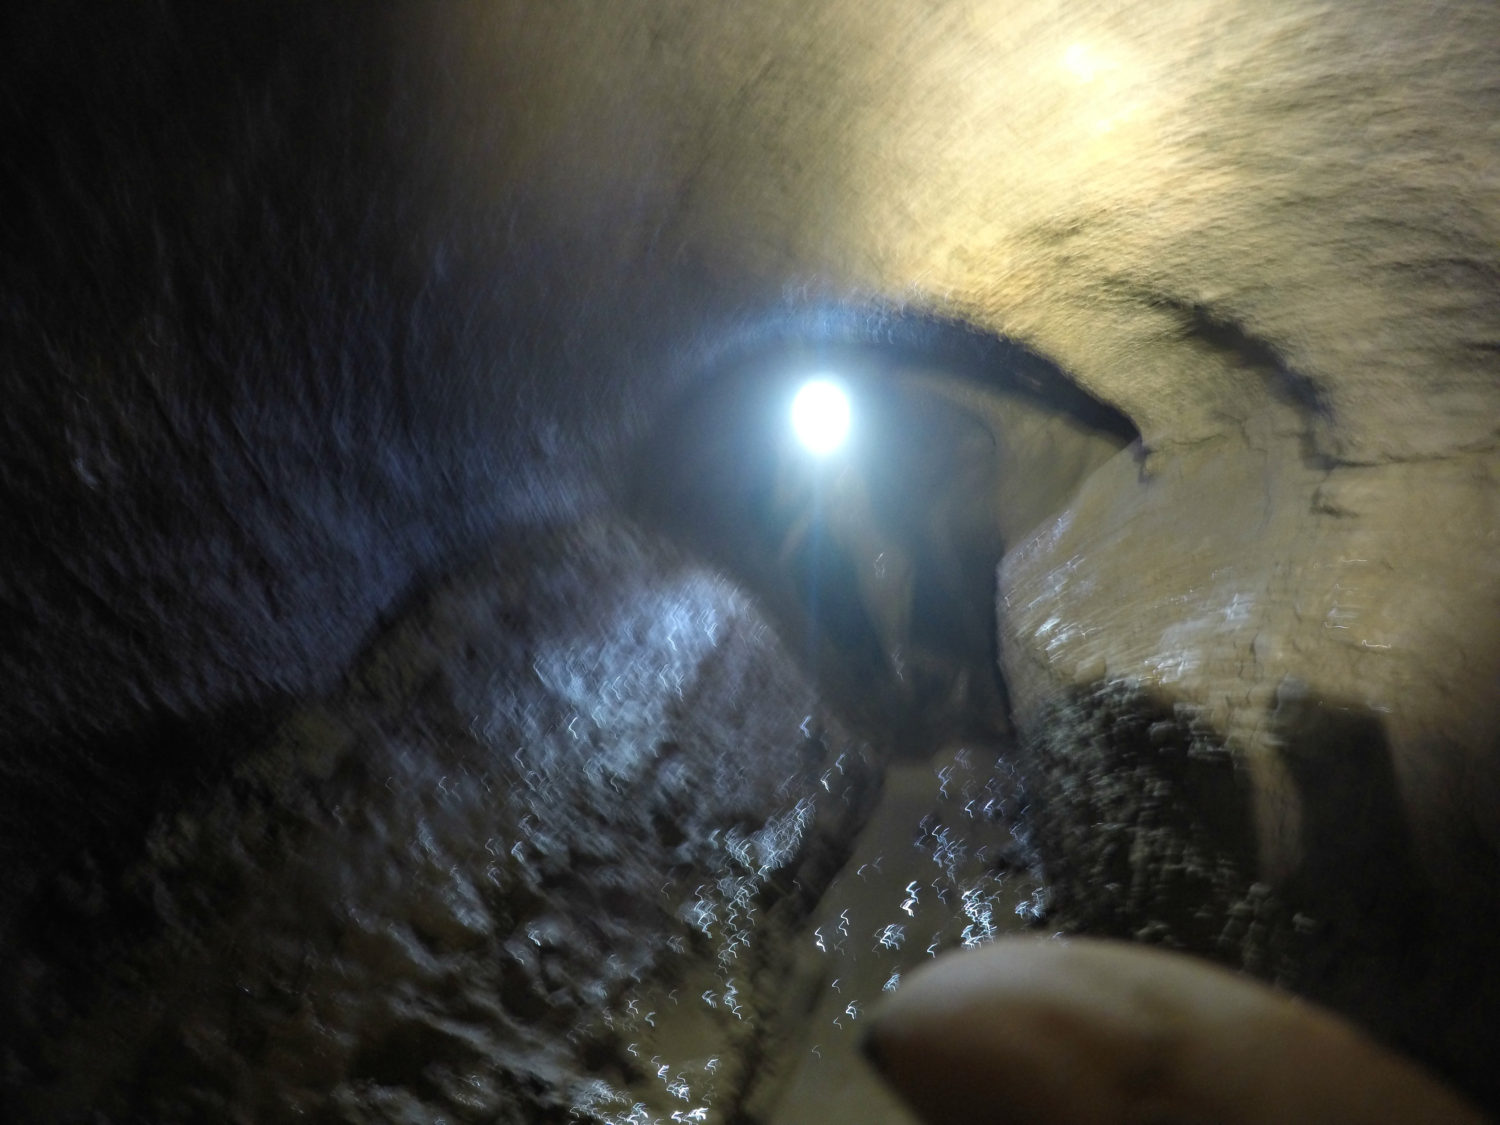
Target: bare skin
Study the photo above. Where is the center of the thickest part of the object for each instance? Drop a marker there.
(1080, 1032)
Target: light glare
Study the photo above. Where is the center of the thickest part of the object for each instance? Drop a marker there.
(820, 415)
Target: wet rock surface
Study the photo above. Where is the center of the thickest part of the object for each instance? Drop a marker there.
(943, 864)
(1262, 767)
(578, 789)
(1140, 813)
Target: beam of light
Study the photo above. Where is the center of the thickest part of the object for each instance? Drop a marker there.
(820, 415)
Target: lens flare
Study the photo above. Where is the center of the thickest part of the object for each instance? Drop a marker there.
(820, 415)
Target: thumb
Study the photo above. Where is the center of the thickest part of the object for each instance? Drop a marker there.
(1096, 1032)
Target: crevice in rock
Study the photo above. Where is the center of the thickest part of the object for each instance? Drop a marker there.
(877, 563)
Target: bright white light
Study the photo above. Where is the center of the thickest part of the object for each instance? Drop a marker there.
(1084, 64)
(820, 415)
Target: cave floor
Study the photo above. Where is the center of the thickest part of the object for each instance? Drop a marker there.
(921, 864)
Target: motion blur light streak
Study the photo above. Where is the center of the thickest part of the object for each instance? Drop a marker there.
(820, 416)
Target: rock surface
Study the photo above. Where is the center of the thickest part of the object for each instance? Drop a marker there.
(555, 809)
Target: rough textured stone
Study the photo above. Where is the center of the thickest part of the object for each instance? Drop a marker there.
(1262, 767)
(553, 805)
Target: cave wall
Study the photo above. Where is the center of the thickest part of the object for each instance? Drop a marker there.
(310, 311)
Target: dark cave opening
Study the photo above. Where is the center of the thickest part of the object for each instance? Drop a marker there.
(878, 561)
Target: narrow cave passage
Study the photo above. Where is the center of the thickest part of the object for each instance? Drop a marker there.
(878, 557)
(874, 552)
(436, 688)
